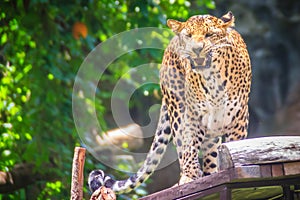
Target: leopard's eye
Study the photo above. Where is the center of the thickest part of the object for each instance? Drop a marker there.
(185, 33)
(208, 35)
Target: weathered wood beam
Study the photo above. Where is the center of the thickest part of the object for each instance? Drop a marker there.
(259, 151)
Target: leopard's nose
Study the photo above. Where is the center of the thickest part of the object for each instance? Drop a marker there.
(197, 50)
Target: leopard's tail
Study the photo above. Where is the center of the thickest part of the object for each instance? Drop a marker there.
(162, 137)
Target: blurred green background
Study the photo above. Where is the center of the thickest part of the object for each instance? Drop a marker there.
(43, 43)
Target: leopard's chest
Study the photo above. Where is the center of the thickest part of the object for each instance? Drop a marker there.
(215, 108)
(207, 86)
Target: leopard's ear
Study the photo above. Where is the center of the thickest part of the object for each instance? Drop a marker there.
(228, 19)
(175, 25)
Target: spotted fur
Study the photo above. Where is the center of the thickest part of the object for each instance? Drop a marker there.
(205, 80)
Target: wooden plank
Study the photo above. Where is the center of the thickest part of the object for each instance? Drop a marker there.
(259, 151)
(192, 187)
(291, 168)
(277, 170)
(211, 193)
(265, 171)
(252, 171)
(210, 189)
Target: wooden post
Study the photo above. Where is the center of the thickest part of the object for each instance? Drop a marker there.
(77, 174)
(225, 194)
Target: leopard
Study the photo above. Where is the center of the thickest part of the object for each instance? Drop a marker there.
(205, 80)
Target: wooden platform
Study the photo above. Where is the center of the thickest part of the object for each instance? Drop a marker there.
(261, 168)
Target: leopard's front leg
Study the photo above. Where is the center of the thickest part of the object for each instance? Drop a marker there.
(191, 168)
(210, 154)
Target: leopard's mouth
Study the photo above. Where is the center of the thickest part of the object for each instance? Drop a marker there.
(197, 62)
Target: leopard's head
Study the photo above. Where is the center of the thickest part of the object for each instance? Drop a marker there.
(200, 36)
(202, 27)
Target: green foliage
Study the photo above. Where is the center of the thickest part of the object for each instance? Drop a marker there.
(52, 189)
(39, 59)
